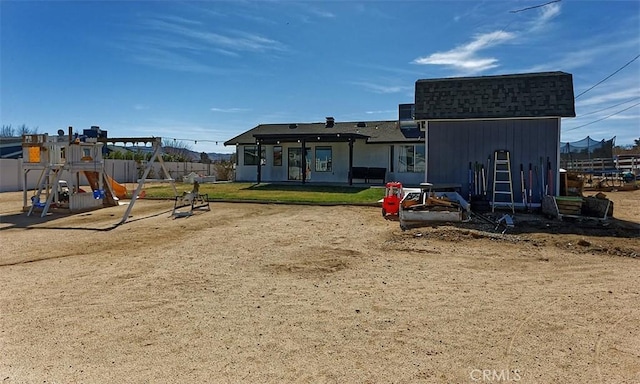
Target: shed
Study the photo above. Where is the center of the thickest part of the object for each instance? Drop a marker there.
(467, 119)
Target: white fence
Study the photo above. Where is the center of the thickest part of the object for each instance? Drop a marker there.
(122, 171)
(623, 163)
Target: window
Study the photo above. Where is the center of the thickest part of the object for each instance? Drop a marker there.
(411, 158)
(277, 155)
(323, 159)
(251, 155)
(295, 164)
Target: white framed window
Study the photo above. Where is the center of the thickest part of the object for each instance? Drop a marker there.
(251, 155)
(323, 159)
(411, 158)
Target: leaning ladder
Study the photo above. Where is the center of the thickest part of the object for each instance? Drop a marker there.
(502, 182)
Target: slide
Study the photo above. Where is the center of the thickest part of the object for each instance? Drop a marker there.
(92, 178)
(118, 189)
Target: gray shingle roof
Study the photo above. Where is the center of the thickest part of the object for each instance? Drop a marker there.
(544, 94)
(387, 131)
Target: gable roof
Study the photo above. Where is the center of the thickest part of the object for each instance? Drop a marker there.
(544, 94)
(387, 131)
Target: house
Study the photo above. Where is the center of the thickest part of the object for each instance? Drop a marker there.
(467, 119)
(334, 152)
(10, 147)
(452, 130)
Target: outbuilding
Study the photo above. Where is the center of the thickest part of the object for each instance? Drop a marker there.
(466, 120)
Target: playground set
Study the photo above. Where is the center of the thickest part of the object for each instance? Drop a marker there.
(82, 154)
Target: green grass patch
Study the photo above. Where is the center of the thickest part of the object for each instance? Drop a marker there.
(291, 193)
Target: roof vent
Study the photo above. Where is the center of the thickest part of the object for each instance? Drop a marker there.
(361, 124)
(330, 122)
(293, 126)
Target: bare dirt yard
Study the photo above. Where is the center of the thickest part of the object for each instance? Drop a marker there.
(290, 293)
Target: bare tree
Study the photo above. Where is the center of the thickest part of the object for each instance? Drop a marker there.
(224, 169)
(24, 130)
(9, 131)
(176, 149)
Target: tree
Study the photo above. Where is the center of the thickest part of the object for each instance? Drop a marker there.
(177, 150)
(9, 131)
(24, 130)
(224, 169)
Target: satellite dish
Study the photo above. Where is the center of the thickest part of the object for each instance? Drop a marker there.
(60, 132)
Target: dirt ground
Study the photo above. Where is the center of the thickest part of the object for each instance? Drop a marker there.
(291, 293)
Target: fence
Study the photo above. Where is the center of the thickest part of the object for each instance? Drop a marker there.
(625, 163)
(122, 171)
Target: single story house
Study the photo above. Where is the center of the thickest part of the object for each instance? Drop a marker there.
(331, 152)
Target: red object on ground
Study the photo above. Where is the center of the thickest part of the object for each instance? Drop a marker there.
(391, 201)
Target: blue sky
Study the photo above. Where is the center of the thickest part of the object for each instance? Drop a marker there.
(209, 70)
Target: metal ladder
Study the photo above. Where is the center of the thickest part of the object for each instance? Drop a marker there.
(502, 182)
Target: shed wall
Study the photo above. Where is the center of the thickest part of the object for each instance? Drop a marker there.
(453, 144)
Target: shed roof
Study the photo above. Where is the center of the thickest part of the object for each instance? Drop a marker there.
(543, 94)
(387, 131)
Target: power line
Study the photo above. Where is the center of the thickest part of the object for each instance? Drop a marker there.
(606, 78)
(535, 6)
(606, 117)
(613, 106)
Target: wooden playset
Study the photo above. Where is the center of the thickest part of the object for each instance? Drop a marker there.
(79, 154)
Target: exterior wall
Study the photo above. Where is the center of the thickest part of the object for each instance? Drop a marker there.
(364, 155)
(453, 144)
(278, 173)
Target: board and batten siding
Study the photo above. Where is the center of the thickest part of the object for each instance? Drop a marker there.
(453, 144)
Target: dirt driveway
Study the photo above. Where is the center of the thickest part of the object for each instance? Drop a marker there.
(284, 293)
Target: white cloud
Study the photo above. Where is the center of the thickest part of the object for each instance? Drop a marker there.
(229, 110)
(188, 45)
(322, 13)
(465, 57)
(232, 40)
(381, 112)
(545, 15)
(608, 97)
(377, 88)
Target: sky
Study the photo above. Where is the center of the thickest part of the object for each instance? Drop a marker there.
(202, 72)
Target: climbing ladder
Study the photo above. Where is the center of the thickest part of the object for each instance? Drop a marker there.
(44, 183)
(502, 182)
